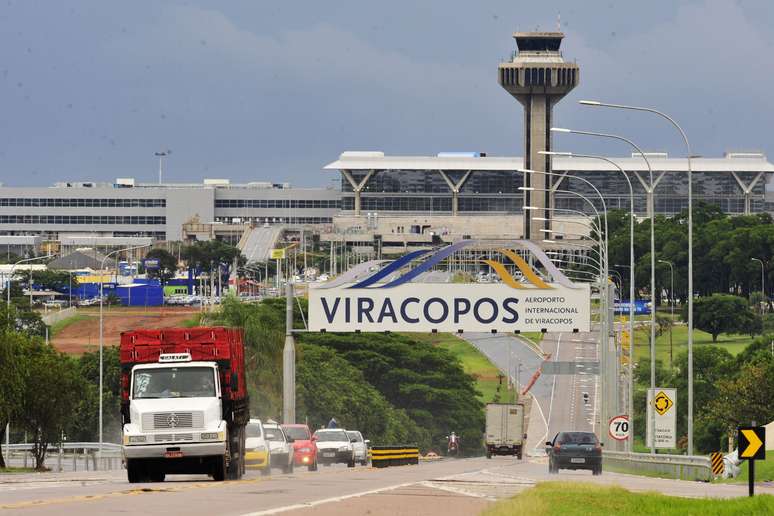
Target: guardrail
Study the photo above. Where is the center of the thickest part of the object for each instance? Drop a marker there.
(683, 467)
(384, 456)
(70, 456)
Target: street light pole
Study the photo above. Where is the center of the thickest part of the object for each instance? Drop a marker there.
(101, 299)
(161, 155)
(690, 246)
(630, 407)
(672, 304)
(652, 210)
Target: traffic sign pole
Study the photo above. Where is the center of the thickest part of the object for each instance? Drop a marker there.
(751, 474)
(751, 477)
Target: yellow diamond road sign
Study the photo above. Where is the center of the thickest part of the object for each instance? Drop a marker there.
(662, 403)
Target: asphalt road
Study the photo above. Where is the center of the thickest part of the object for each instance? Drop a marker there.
(559, 402)
(444, 487)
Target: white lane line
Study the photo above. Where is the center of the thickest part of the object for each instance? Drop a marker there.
(545, 422)
(553, 386)
(327, 500)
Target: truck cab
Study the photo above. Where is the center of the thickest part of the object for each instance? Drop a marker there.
(175, 412)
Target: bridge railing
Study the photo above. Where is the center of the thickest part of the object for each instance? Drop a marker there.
(69, 456)
(683, 467)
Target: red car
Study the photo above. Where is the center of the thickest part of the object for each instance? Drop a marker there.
(304, 448)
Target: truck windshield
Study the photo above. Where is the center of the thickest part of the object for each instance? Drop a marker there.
(174, 382)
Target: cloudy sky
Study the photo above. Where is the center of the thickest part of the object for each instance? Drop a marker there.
(273, 90)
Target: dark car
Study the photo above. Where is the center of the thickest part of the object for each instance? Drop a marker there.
(574, 450)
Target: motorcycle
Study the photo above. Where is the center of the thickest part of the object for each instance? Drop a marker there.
(453, 445)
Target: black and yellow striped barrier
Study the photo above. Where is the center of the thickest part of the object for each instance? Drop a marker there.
(384, 456)
(716, 459)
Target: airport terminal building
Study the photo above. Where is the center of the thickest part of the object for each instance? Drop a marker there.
(125, 208)
(410, 201)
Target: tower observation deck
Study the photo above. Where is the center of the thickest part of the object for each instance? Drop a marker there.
(538, 77)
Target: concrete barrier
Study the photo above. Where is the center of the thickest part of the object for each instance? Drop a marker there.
(58, 315)
(683, 467)
(384, 456)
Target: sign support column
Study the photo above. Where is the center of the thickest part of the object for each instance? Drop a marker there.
(289, 362)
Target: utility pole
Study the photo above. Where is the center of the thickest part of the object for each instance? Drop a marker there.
(289, 362)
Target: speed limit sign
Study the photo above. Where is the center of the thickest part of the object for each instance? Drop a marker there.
(619, 428)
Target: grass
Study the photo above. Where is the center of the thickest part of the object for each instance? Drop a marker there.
(196, 320)
(12, 471)
(733, 343)
(580, 499)
(474, 363)
(764, 471)
(64, 323)
(535, 337)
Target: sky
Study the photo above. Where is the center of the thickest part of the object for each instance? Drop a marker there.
(259, 90)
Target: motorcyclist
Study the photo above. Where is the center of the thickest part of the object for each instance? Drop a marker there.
(453, 445)
(333, 423)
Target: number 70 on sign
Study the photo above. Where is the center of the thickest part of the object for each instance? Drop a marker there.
(618, 428)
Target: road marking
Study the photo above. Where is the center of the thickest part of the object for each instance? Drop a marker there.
(163, 488)
(315, 503)
(553, 386)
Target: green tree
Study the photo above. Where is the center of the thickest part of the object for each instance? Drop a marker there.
(747, 397)
(21, 319)
(59, 281)
(711, 364)
(427, 382)
(721, 313)
(328, 386)
(167, 264)
(13, 371)
(50, 395)
(84, 425)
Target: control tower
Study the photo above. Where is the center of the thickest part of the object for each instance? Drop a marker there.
(538, 77)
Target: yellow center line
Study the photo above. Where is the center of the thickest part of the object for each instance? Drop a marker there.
(130, 492)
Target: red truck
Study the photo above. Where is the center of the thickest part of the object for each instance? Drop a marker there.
(184, 403)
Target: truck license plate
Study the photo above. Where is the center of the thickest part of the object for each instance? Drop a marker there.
(329, 454)
(173, 454)
(576, 460)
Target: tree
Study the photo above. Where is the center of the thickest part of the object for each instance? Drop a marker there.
(745, 398)
(50, 395)
(59, 281)
(85, 421)
(13, 370)
(21, 319)
(349, 398)
(711, 364)
(206, 255)
(167, 264)
(721, 313)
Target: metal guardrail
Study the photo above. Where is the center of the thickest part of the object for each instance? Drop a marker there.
(69, 456)
(683, 467)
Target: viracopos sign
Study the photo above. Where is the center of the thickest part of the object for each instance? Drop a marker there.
(379, 303)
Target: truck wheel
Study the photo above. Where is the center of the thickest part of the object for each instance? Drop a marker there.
(219, 469)
(351, 463)
(313, 466)
(133, 471)
(157, 476)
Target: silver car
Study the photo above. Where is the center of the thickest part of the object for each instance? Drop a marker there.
(359, 446)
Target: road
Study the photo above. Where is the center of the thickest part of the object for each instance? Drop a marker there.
(559, 401)
(444, 487)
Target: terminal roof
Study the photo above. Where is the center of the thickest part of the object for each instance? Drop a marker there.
(378, 161)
